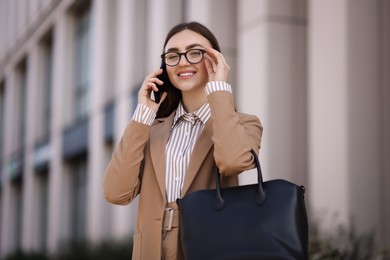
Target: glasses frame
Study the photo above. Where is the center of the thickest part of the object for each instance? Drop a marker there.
(183, 54)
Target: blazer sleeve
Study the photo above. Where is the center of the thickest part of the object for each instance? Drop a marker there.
(234, 135)
(122, 178)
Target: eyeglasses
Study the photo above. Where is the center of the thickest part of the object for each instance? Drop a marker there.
(193, 56)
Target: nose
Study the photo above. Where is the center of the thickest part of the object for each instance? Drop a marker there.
(183, 59)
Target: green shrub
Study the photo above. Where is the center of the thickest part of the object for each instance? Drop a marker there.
(339, 243)
(106, 250)
(20, 255)
(344, 243)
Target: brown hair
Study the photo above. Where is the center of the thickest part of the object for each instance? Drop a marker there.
(174, 95)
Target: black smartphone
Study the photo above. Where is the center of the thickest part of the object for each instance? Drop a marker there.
(162, 88)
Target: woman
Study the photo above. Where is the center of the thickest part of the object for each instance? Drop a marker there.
(172, 148)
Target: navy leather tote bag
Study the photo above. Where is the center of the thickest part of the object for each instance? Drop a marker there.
(266, 220)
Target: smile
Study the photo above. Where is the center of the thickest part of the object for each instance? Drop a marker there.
(186, 74)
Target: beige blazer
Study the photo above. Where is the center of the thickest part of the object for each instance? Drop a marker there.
(137, 166)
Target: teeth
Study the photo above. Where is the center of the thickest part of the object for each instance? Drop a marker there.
(186, 74)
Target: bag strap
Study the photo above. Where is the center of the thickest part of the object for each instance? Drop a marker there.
(260, 193)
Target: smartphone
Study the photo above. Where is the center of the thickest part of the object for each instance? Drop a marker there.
(161, 88)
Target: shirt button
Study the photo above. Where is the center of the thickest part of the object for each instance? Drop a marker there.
(177, 179)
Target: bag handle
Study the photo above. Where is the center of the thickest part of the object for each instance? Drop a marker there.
(260, 193)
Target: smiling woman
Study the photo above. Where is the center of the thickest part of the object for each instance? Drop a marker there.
(171, 147)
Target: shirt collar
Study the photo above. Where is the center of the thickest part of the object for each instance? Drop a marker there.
(203, 113)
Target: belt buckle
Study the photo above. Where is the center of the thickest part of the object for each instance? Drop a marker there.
(170, 221)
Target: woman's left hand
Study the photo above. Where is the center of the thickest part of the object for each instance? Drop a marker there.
(216, 65)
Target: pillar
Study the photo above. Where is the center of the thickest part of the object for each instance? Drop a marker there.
(60, 81)
(272, 82)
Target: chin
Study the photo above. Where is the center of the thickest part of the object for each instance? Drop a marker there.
(187, 86)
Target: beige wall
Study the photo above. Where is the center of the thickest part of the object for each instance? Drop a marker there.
(315, 72)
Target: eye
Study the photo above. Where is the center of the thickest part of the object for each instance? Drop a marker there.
(195, 53)
(171, 56)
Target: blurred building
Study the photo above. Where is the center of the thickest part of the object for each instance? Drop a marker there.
(316, 73)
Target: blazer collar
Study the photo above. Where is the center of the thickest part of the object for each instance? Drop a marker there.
(159, 135)
(158, 140)
(201, 149)
(203, 113)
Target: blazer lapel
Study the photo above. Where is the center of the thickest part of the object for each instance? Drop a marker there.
(202, 146)
(158, 140)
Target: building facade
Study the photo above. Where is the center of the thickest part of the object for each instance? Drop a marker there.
(315, 72)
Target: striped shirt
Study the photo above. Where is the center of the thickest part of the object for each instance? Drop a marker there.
(185, 130)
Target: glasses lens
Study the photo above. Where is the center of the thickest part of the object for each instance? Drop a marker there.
(172, 58)
(194, 56)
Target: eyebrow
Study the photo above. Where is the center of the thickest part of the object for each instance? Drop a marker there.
(187, 48)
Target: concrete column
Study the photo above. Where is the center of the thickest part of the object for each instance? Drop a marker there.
(60, 84)
(28, 236)
(199, 10)
(164, 14)
(346, 108)
(385, 43)
(130, 35)
(223, 25)
(99, 63)
(3, 28)
(365, 104)
(21, 17)
(33, 7)
(328, 111)
(7, 234)
(272, 82)
(12, 26)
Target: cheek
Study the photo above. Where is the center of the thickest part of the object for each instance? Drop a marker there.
(170, 73)
(203, 69)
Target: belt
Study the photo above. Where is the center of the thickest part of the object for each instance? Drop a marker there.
(171, 217)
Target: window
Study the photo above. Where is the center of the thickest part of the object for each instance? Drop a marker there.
(2, 114)
(107, 216)
(16, 215)
(45, 90)
(41, 208)
(82, 64)
(19, 109)
(78, 194)
(1, 214)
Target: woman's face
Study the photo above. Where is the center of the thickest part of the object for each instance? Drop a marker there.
(186, 76)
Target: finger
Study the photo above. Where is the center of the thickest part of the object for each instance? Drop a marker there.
(223, 59)
(216, 65)
(213, 54)
(152, 77)
(155, 81)
(209, 66)
(213, 64)
(152, 86)
(147, 88)
(150, 83)
(216, 56)
(154, 74)
(218, 60)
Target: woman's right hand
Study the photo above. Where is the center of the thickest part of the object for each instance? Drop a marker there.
(150, 83)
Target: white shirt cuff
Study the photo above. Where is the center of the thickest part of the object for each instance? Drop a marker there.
(144, 115)
(213, 86)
